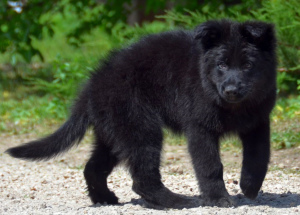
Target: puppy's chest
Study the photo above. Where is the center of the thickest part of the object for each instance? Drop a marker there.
(230, 122)
(238, 122)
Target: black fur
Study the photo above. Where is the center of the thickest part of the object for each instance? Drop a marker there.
(216, 80)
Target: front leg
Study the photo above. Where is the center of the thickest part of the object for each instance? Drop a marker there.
(256, 155)
(204, 151)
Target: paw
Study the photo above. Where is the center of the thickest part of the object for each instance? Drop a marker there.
(164, 198)
(176, 202)
(107, 198)
(249, 192)
(224, 201)
(251, 182)
(189, 202)
(250, 188)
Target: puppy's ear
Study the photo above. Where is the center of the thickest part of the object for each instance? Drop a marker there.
(260, 34)
(209, 34)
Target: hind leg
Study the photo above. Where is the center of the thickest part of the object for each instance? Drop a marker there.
(96, 172)
(144, 161)
(135, 136)
(144, 168)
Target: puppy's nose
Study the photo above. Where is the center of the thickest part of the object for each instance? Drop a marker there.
(231, 91)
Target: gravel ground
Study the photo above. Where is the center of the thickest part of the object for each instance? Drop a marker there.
(58, 186)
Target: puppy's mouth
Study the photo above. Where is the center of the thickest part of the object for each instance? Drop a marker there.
(233, 99)
(231, 94)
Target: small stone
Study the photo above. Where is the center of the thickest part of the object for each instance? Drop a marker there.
(230, 181)
(170, 156)
(45, 182)
(235, 190)
(176, 169)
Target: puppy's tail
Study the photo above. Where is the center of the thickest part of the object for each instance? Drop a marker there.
(69, 134)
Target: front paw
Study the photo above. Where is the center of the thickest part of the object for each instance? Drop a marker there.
(249, 190)
(223, 201)
(250, 187)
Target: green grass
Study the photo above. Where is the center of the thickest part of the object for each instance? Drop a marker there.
(286, 123)
(173, 139)
(27, 114)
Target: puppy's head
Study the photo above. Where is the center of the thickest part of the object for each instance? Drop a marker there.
(237, 59)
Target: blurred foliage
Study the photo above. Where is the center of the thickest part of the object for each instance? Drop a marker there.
(38, 20)
(24, 20)
(20, 22)
(61, 84)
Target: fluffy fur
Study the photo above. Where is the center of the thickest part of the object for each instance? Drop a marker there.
(215, 80)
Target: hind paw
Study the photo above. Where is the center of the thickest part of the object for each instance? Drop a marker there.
(224, 201)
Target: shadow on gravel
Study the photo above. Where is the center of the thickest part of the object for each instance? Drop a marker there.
(275, 200)
(285, 200)
(141, 202)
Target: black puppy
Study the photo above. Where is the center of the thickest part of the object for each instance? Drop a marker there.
(216, 80)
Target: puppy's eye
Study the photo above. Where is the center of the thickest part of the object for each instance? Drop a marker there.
(248, 65)
(222, 66)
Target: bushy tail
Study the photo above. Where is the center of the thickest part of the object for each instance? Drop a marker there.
(69, 134)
